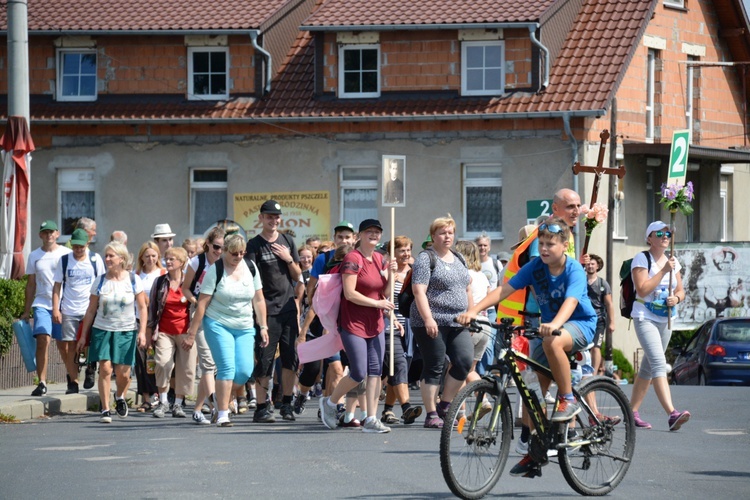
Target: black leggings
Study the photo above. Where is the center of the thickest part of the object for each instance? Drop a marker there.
(452, 341)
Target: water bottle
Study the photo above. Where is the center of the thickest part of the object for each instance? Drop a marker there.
(150, 361)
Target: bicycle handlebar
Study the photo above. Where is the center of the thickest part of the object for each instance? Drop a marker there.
(506, 326)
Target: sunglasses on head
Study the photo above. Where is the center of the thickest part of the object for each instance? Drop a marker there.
(552, 228)
(660, 234)
(216, 247)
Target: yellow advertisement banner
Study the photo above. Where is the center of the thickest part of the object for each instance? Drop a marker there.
(303, 213)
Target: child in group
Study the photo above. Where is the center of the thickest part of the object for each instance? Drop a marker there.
(559, 284)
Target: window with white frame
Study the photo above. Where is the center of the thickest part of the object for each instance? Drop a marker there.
(208, 198)
(76, 75)
(482, 68)
(208, 73)
(359, 193)
(76, 197)
(483, 200)
(359, 70)
(675, 3)
(650, 93)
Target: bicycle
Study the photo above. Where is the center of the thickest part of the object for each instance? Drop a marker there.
(594, 451)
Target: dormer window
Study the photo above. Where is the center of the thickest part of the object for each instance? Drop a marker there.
(482, 68)
(76, 75)
(208, 73)
(359, 71)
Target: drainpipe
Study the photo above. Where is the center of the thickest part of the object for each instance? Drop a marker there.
(574, 148)
(545, 50)
(254, 39)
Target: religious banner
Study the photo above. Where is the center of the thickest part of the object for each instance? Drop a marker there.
(394, 179)
(304, 213)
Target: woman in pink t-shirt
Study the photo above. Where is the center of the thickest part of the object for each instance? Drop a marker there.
(365, 286)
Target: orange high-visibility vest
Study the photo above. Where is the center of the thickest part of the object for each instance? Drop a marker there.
(512, 306)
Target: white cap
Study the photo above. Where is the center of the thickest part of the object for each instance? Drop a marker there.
(655, 226)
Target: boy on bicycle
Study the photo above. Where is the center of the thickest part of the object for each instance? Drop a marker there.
(559, 284)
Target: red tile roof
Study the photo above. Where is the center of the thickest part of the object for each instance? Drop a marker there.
(138, 15)
(411, 12)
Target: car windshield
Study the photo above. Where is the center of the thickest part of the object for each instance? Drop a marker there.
(733, 331)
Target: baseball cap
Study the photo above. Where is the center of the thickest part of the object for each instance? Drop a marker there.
(654, 226)
(368, 223)
(48, 225)
(344, 224)
(79, 237)
(427, 241)
(270, 207)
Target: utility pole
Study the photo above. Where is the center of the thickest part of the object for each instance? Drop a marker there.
(18, 59)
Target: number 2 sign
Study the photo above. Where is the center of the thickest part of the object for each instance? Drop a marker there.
(678, 157)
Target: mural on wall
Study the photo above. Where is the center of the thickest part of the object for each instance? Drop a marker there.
(715, 277)
(303, 213)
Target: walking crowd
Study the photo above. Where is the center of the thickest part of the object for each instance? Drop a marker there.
(237, 314)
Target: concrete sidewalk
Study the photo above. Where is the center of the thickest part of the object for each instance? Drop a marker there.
(20, 404)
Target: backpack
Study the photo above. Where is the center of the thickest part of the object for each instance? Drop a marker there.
(627, 287)
(219, 271)
(406, 297)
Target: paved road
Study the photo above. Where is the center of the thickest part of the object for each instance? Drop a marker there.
(74, 456)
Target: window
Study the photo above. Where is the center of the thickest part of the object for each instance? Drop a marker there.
(359, 193)
(675, 3)
(76, 75)
(208, 73)
(482, 66)
(208, 198)
(650, 93)
(76, 189)
(359, 71)
(482, 204)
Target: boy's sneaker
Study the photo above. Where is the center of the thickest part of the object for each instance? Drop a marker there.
(639, 422)
(375, 426)
(328, 413)
(287, 413)
(72, 388)
(161, 410)
(526, 468)
(199, 419)
(106, 417)
(263, 416)
(677, 418)
(565, 410)
(299, 403)
(521, 447)
(121, 407)
(177, 411)
(40, 390)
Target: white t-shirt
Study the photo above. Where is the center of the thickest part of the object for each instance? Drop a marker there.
(116, 311)
(479, 285)
(42, 265)
(232, 302)
(488, 269)
(148, 280)
(76, 291)
(640, 310)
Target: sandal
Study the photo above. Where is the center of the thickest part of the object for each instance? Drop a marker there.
(389, 417)
(411, 414)
(433, 423)
(144, 408)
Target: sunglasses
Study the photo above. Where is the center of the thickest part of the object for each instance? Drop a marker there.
(216, 247)
(660, 234)
(552, 228)
(237, 254)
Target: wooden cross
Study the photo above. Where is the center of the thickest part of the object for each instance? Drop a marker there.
(598, 170)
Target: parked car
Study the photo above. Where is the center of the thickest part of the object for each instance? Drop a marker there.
(718, 354)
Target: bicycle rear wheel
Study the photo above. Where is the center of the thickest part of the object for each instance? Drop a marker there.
(607, 436)
(473, 455)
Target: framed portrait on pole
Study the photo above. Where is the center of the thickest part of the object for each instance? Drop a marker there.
(394, 181)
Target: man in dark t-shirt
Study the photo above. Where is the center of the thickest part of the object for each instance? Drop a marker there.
(275, 255)
(600, 294)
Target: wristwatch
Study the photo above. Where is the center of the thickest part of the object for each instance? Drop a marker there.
(264, 327)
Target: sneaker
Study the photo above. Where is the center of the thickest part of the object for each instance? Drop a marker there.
(299, 404)
(287, 413)
(106, 417)
(677, 418)
(484, 410)
(200, 419)
(374, 426)
(161, 410)
(639, 422)
(88, 381)
(433, 423)
(411, 414)
(328, 413)
(40, 390)
(242, 406)
(178, 412)
(224, 422)
(214, 415)
(318, 390)
(72, 388)
(388, 417)
(606, 420)
(349, 425)
(565, 410)
(521, 447)
(121, 407)
(252, 403)
(549, 398)
(526, 468)
(263, 416)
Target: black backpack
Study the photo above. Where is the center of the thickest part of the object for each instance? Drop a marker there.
(406, 296)
(627, 287)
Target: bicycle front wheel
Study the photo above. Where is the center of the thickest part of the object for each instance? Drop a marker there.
(475, 440)
(600, 442)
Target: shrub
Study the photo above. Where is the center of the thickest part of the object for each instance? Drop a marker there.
(12, 296)
(625, 367)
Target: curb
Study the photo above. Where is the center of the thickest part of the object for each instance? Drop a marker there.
(27, 409)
